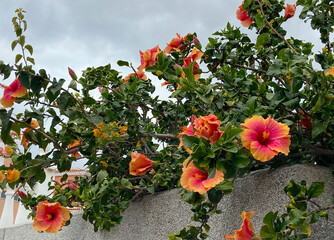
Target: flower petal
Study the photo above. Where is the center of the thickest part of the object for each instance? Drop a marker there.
(41, 226)
(7, 101)
(261, 152)
(280, 145)
(256, 123)
(247, 137)
(212, 182)
(276, 129)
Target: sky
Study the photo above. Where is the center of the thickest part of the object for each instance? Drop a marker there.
(86, 33)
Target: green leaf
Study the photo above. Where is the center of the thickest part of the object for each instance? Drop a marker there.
(215, 195)
(191, 197)
(318, 127)
(188, 141)
(275, 68)
(315, 190)
(126, 183)
(25, 79)
(226, 186)
(29, 48)
(241, 158)
(263, 39)
(36, 84)
(29, 59)
(73, 85)
(292, 104)
(259, 19)
(267, 231)
(18, 58)
(122, 63)
(6, 125)
(21, 40)
(101, 176)
(14, 43)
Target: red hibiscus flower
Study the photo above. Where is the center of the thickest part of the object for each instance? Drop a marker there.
(289, 11)
(242, 15)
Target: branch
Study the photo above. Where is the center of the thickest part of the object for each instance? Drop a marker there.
(245, 67)
(319, 150)
(274, 30)
(55, 143)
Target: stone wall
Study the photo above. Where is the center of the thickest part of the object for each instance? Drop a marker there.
(154, 216)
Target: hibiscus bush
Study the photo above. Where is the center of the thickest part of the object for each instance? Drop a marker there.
(236, 106)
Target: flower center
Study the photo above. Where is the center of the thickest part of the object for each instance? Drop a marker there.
(50, 216)
(265, 136)
(201, 176)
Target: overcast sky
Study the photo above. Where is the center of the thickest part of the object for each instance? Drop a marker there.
(82, 33)
(85, 33)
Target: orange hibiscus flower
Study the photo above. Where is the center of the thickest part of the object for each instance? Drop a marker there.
(149, 57)
(193, 179)
(193, 57)
(75, 144)
(24, 140)
(265, 138)
(50, 217)
(7, 151)
(242, 15)
(330, 72)
(2, 177)
(14, 90)
(140, 74)
(289, 11)
(246, 231)
(208, 128)
(188, 131)
(174, 44)
(139, 164)
(12, 175)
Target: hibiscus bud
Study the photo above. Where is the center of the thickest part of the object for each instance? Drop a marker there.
(22, 194)
(72, 73)
(72, 185)
(196, 42)
(289, 11)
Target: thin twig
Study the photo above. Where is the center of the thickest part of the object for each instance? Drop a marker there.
(274, 30)
(40, 132)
